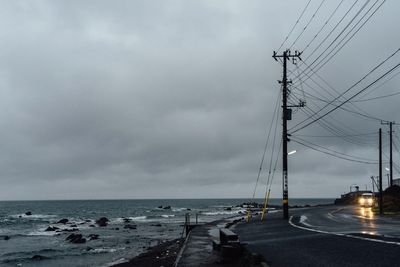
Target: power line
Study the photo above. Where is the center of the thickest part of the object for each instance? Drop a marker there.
(323, 26)
(334, 151)
(335, 136)
(267, 142)
(362, 25)
(334, 28)
(333, 155)
(294, 26)
(351, 87)
(308, 23)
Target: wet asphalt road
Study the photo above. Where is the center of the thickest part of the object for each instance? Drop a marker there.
(325, 236)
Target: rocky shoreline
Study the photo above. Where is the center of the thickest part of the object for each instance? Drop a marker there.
(163, 254)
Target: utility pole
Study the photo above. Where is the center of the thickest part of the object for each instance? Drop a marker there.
(391, 151)
(286, 115)
(380, 173)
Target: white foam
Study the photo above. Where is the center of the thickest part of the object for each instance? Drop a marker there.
(33, 216)
(178, 209)
(167, 215)
(103, 250)
(138, 218)
(224, 212)
(119, 261)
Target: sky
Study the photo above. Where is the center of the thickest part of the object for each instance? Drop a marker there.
(174, 99)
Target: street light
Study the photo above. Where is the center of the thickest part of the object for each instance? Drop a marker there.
(292, 152)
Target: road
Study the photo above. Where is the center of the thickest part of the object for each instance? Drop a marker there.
(325, 236)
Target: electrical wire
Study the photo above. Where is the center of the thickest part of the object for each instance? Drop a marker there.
(294, 26)
(333, 155)
(351, 87)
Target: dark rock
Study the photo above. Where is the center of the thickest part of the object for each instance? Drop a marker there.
(92, 225)
(160, 207)
(156, 225)
(116, 228)
(167, 207)
(102, 221)
(126, 220)
(130, 226)
(127, 242)
(28, 213)
(38, 257)
(6, 237)
(64, 221)
(73, 225)
(76, 239)
(228, 208)
(50, 228)
(93, 237)
(87, 220)
(70, 230)
(188, 209)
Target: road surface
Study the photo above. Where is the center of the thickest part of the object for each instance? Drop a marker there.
(325, 236)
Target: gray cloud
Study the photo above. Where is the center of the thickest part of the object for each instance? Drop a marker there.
(141, 99)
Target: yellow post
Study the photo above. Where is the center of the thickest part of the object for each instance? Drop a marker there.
(265, 205)
(248, 215)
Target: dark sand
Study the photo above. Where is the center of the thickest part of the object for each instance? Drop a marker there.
(163, 254)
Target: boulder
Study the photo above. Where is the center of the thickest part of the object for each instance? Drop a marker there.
(102, 221)
(126, 220)
(6, 237)
(93, 237)
(50, 228)
(28, 213)
(63, 221)
(73, 225)
(38, 257)
(130, 226)
(167, 207)
(156, 225)
(76, 239)
(92, 225)
(70, 230)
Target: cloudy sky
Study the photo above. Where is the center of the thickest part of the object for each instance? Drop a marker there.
(173, 99)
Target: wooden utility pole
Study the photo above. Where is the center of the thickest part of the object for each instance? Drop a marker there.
(380, 173)
(286, 115)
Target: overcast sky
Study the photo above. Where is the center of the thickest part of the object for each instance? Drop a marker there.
(173, 99)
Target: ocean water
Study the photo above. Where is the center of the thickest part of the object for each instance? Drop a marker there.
(27, 235)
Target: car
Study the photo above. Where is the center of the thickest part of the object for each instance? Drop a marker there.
(366, 200)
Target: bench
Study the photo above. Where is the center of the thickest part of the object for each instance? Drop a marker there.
(227, 236)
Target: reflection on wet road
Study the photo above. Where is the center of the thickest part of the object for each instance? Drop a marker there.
(349, 220)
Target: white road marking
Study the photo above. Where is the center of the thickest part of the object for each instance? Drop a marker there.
(341, 234)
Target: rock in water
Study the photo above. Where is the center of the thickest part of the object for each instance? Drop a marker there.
(76, 239)
(64, 221)
(38, 257)
(93, 237)
(167, 207)
(6, 237)
(130, 226)
(48, 229)
(28, 213)
(102, 221)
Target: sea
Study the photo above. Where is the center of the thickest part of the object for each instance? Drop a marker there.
(24, 240)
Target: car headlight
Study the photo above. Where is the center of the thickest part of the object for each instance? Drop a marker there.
(361, 201)
(370, 201)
